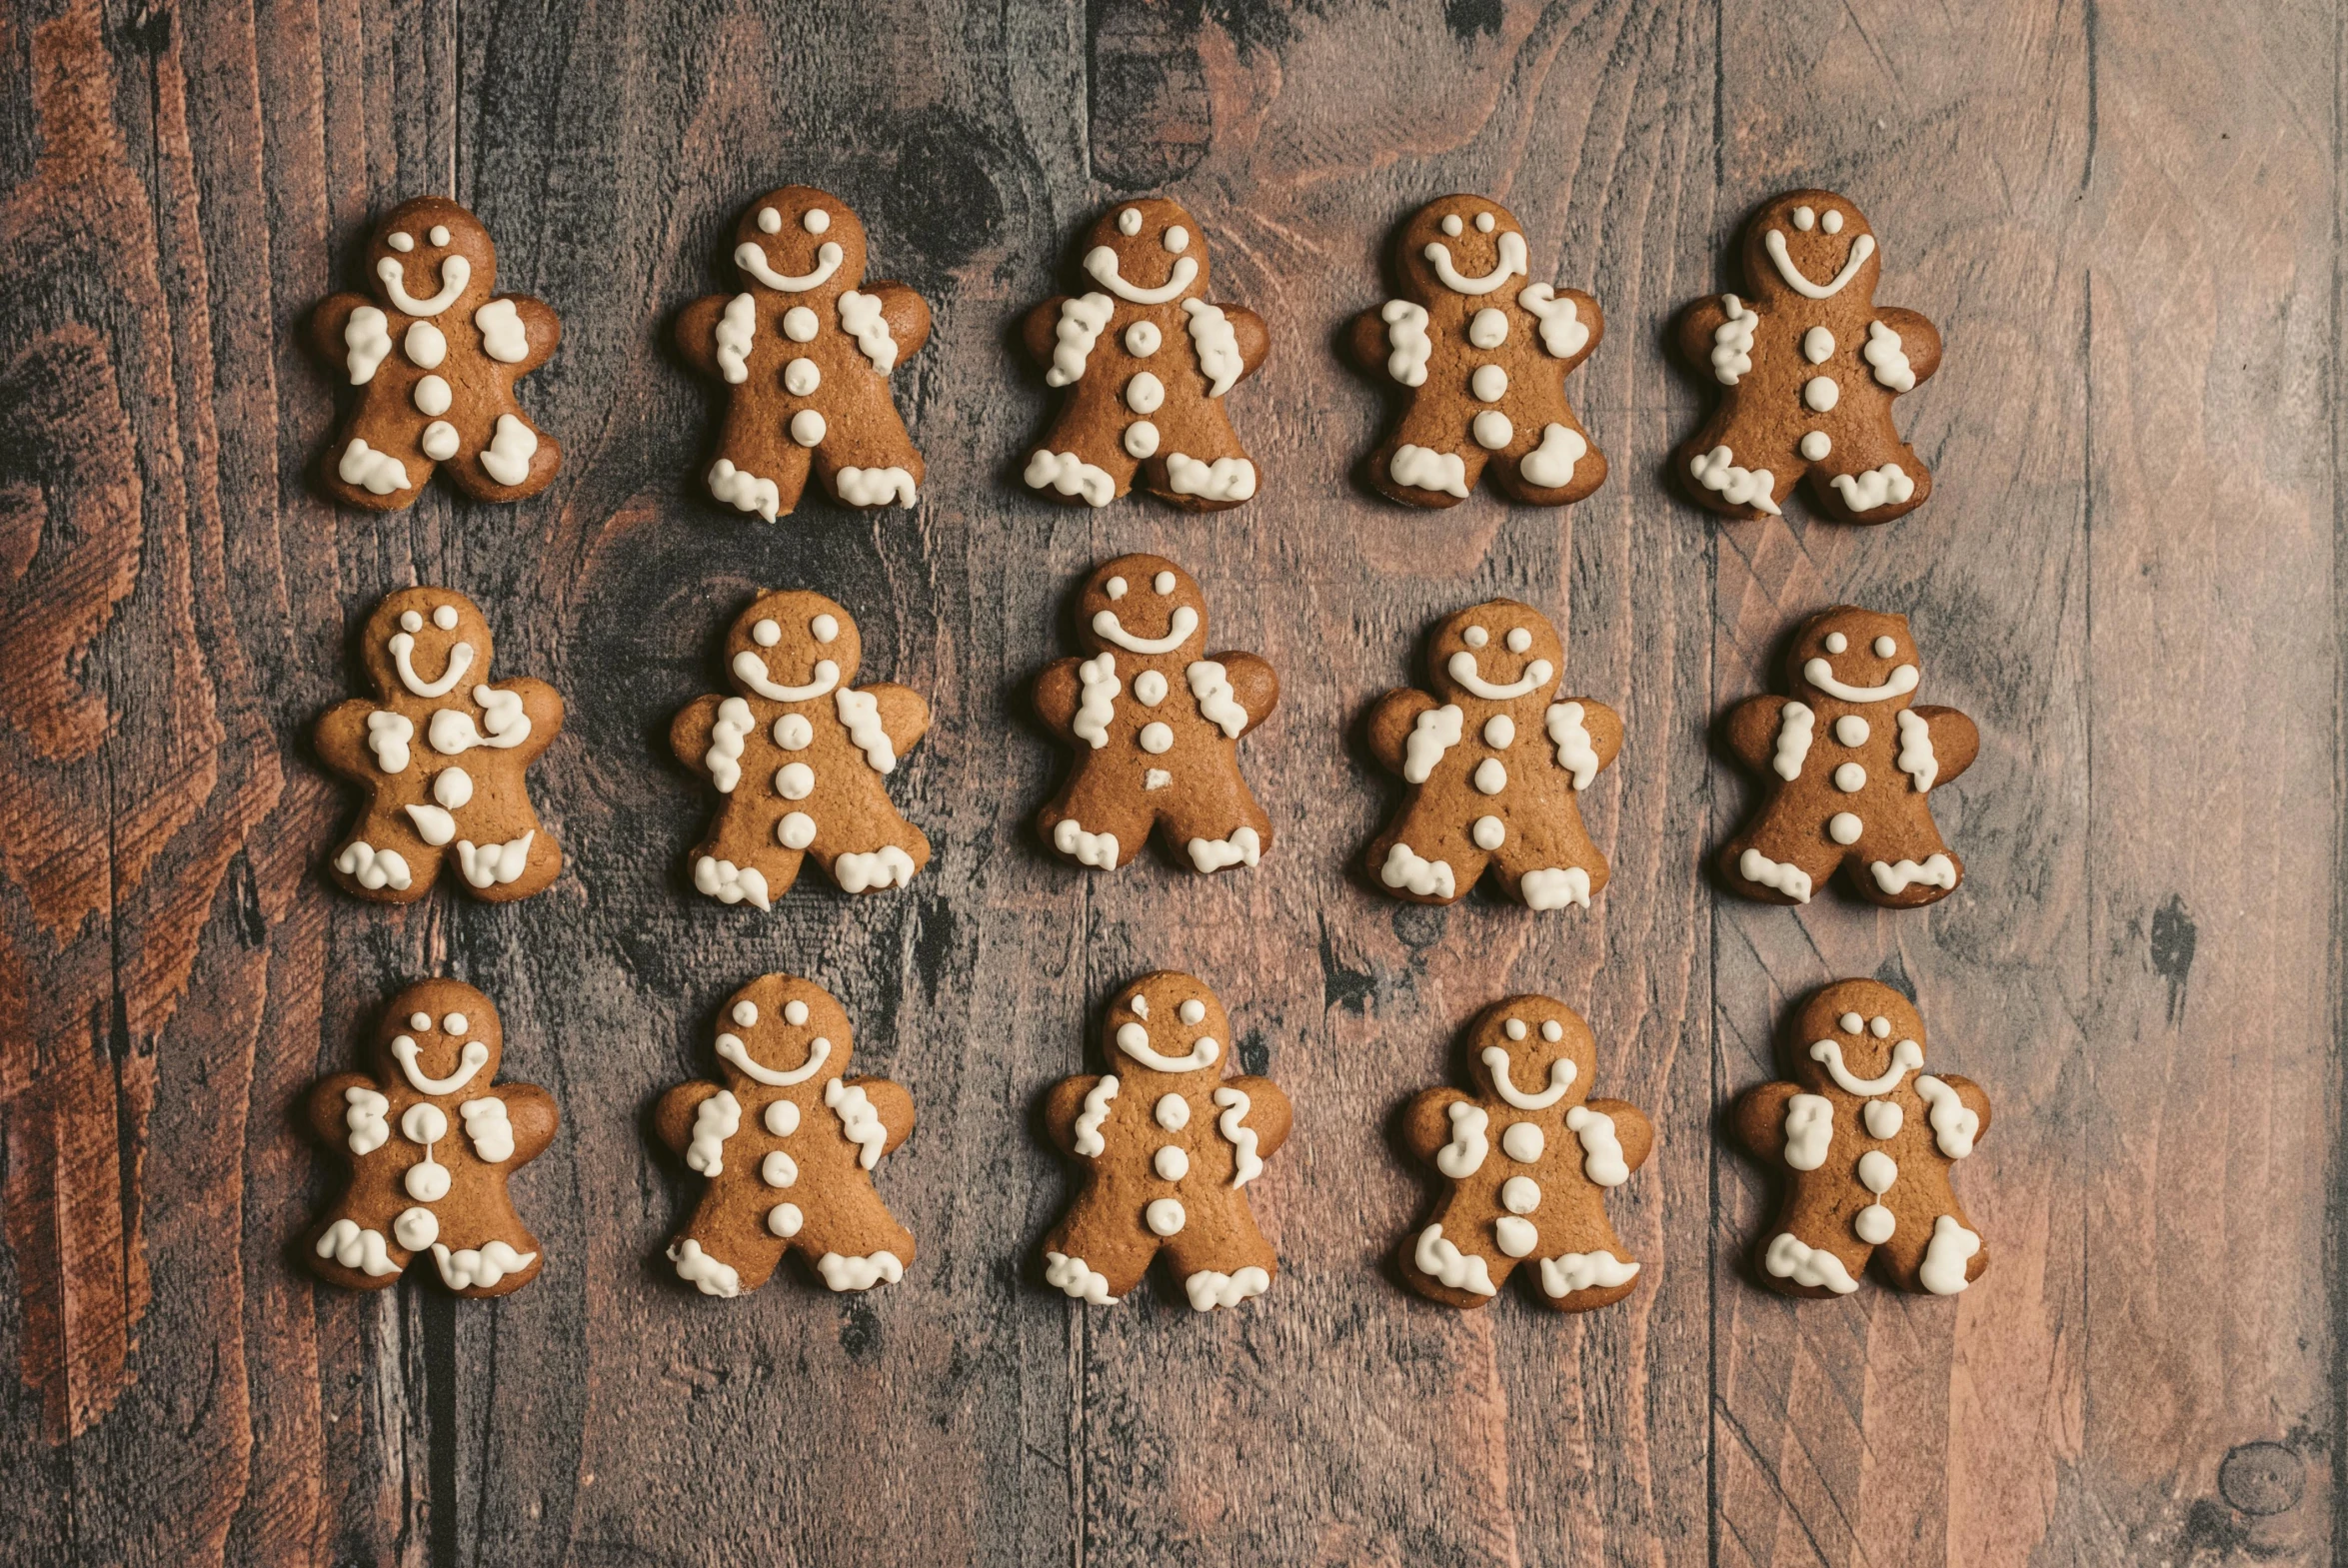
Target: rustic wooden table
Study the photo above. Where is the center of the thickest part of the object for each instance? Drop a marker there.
(2125, 220)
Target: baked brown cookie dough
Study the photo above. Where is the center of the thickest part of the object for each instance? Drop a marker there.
(1806, 365)
(1484, 353)
(442, 752)
(1868, 1141)
(434, 351)
(805, 351)
(431, 1138)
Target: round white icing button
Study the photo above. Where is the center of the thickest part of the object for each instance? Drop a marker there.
(1165, 1216)
(1487, 328)
(792, 733)
(1873, 1224)
(1142, 338)
(1520, 1194)
(794, 782)
(1157, 738)
(779, 1169)
(781, 1117)
(416, 1230)
(1816, 445)
(1490, 776)
(784, 1219)
(439, 440)
(1499, 731)
(1172, 1112)
(796, 831)
(1150, 688)
(423, 345)
(1820, 393)
(1144, 394)
(1817, 344)
(1141, 438)
(1883, 1118)
(798, 324)
(1844, 828)
(1170, 1162)
(425, 1123)
(1489, 383)
(801, 376)
(1518, 1237)
(807, 427)
(1850, 778)
(427, 1182)
(1523, 1142)
(432, 396)
(1493, 430)
(1489, 833)
(1852, 729)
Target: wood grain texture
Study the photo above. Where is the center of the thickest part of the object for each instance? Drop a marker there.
(2125, 222)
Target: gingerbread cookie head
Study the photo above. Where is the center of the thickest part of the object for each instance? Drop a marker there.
(1142, 604)
(1858, 656)
(803, 242)
(1531, 1052)
(1498, 652)
(1858, 1036)
(781, 1030)
(426, 641)
(792, 645)
(430, 258)
(1145, 252)
(1166, 1027)
(1809, 246)
(1466, 244)
(441, 1037)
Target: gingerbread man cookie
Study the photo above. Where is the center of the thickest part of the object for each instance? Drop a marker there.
(443, 754)
(1166, 1146)
(1492, 762)
(1808, 365)
(1869, 1151)
(1146, 359)
(1528, 1159)
(805, 351)
(1848, 765)
(1155, 724)
(1484, 355)
(435, 355)
(789, 1145)
(431, 1140)
(801, 757)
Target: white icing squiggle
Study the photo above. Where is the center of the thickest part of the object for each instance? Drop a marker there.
(1241, 1137)
(1785, 878)
(1916, 758)
(1405, 339)
(1810, 1130)
(729, 883)
(502, 337)
(859, 1122)
(875, 487)
(1097, 688)
(1463, 1157)
(467, 1270)
(487, 1124)
(1133, 1040)
(1791, 1259)
(1732, 341)
(365, 1119)
(860, 713)
(1866, 491)
(859, 1273)
(886, 867)
(507, 456)
(1562, 332)
(724, 758)
(1089, 1142)
(736, 332)
(1576, 752)
(744, 491)
(1216, 345)
(1951, 1249)
(1422, 469)
(860, 318)
(1888, 358)
(1938, 871)
(387, 736)
(1955, 1124)
(1242, 848)
(1550, 465)
(1226, 479)
(452, 734)
(1069, 475)
(1209, 1290)
(1601, 1151)
(1436, 733)
(717, 1118)
(1716, 470)
(370, 868)
(1448, 1266)
(1211, 684)
(1572, 1271)
(1086, 849)
(367, 335)
(1794, 722)
(1554, 887)
(353, 1247)
(1423, 877)
(1074, 1278)
(1081, 321)
(704, 1272)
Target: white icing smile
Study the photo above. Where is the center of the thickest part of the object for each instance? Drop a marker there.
(1820, 673)
(471, 1060)
(1133, 1040)
(1905, 1055)
(751, 259)
(1464, 670)
(1860, 249)
(1560, 1079)
(1101, 265)
(1183, 623)
(1510, 264)
(454, 273)
(751, 671)
(402, 650)
(819, 1051)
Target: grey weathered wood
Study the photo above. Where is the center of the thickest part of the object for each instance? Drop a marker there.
(2129, 575)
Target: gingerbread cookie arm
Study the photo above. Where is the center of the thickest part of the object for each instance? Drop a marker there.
(1391, 718)
(1057, 696)
(327, 1110)
(542, 328)
(1041, 330)
(1427, 1122)
(907, 313)
(544, 706)
(1255, 686)
(1254, 338)
(1759, 1121)
(1365, 339)
(1631, 1129)
(1920, 340)
(674, 1116)
(1694, 334)
(696, 333)
(341, 739)
(1957, 739)
(1269, 1114)
(531, 1111)
(1591, 314)
(1751, 730)
(892, 1103)
(1605, 726)
(903, 714)
(1062, 1107)
(1973, 1097)
(689, 731)
(327, 323)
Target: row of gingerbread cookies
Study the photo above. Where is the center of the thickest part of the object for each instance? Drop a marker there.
(1493, 757)
(1166, 1143)
(1806, 365)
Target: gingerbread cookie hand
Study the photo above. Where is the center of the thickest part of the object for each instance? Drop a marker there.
(431, 1138)
(1527, 1159)
(1848, 766)
(804, 352)
(1144, 359)
(1154, 723)
(1808, 365)
(801, 756)
(1166, 1146)
(788, 1145)
(434, 351)
(442, 750)
(1482, 354)
(1492, 764)
(1868, 1142)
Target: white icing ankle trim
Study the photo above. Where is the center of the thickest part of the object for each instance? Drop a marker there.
(753, 260)
(1554, 887)
(1951, 1249)
(1560, 1079)
(859, 1273)
(1716, 470)
(1791, 1259)
(1242, 848)
(470, 1061)
(478, 1270)
(1101, 265)
(1510, 263)
(819, 1051)
(1178, 630)
(1425, 879)
(704, 1272)
(1450, 1267)
(1098, 851)
(353, 1247)
(1905, 1057)
(454, 273)
(1861, 248)
(1569, 1273)
(1209, 1290)
(1069, 475)
(1422, 469)
(1937, 872)
(1073, 1279)
(1864, 492)
(751, 671)
(1133, 1040)
(1785, 878)
(729, 883)
(1464, 670)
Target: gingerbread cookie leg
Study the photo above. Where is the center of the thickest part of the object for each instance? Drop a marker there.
(1198, 463)
(365, 864)
(727, 1247)
(1223, 1262)
(485, 1257)
(1546, 859)
(1853, 492)
(1215, 828)
(870, 461)
(1072, 465)
(385, 479)
(1552, 463)
(1424, 461)
(870, 856)
(1808, 862)
(504, 458)
(1427, 857)
(739, 864)
(500, 848)
(1454, 1262)
(1905, 868)
(759, 466)
(345, 1250)
(1097, 821)
(854, 1243)
(1941, 1255)
(1099, 1251)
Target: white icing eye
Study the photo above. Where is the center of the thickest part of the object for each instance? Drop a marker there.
(1475, 637)
(1452, 224)
(1164, 582)
(1804, 219)
(746, 1012)
(1833, 222)
(769, 221)
(1177, 239)
(1516, 1028)
(439, 233)
(1885, 648)
(400, 242)
(411, 622)
(1192, 1010)
(421, 1023)
(1553, 1031)
(1140, 1006)
(814, 220)
(766, 634)
(1519, 639)
(1850, 1024)
(456, 1023)
(1836, 642)
(824, 628)
(1129, 221)
(795, 1013)
(1483, 223)
(1880, 1028)
(445, 617)
(1114, 588)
